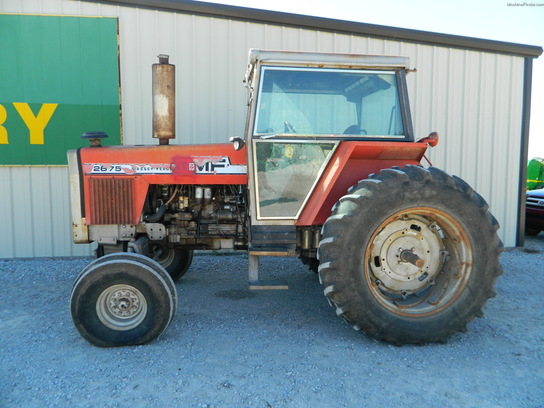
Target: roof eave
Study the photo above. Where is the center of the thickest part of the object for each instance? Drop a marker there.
(327, 24)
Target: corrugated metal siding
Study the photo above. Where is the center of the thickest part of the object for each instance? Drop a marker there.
(473, 99)
(35, 213)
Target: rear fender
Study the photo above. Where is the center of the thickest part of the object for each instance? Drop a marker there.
(354, 161)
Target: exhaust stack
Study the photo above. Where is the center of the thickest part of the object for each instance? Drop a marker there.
(164, 100)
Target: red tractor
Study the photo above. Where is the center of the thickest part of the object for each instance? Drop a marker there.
(328, 170)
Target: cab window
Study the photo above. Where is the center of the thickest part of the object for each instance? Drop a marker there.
(328, 102)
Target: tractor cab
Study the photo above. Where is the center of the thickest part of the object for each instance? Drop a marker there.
(302, 107)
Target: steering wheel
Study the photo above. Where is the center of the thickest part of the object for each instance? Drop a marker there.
(354, 130)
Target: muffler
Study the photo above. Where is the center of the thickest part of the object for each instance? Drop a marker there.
(164, 100)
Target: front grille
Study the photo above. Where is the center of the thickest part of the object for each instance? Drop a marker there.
(111, 200)
(535, 202)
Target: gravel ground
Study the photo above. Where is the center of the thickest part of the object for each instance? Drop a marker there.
(229, 347)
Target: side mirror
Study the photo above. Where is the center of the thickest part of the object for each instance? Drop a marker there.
(237, 142)
(431, 140)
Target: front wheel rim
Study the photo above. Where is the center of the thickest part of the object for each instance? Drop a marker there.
(418, 261)
(121, 307)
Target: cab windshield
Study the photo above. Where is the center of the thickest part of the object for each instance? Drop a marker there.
(328, 102)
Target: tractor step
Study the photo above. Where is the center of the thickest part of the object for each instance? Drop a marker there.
(270, 253)
(268, 285)
(253, 276)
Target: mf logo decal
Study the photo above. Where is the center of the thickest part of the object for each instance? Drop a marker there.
(215, 165)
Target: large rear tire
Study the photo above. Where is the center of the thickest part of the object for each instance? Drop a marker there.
(410, 256)
(121, 302)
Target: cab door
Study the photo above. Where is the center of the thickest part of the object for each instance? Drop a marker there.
(298, 117)
(284, 173)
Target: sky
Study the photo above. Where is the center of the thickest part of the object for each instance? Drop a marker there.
(515, 21)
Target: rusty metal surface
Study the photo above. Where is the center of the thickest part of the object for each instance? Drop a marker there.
(111, 200)
(164, 100)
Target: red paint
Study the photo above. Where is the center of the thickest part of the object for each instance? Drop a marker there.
(169, 164)
(352, 162)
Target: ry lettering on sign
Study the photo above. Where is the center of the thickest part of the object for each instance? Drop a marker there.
(35, 123)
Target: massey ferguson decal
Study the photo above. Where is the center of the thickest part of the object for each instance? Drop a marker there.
(183, 165)
(129, 169)
(216, 165)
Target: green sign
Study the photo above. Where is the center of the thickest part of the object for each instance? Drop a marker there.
(59, 78)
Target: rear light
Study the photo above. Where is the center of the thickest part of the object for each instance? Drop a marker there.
(431, 140)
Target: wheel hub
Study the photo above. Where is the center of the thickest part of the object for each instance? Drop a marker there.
(124, 303)
(121, 307)
(406, 254)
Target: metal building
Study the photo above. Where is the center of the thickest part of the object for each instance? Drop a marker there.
(475, 93)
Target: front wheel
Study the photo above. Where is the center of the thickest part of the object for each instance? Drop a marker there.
(121, 302)
(410, 256)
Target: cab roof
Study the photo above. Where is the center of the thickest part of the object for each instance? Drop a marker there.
(335, 60)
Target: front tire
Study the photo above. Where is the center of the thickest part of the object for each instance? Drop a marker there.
(121, 302)
(135, 257)
(410, 256)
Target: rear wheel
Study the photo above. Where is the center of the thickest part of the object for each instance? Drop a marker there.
(121, 302)
(410, 256)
